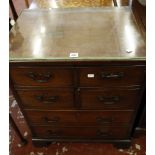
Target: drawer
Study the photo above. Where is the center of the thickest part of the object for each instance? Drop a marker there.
(80, 132)
(76, 118)
(42, 76)
(47, 98)
(120, 99)
(111, 76)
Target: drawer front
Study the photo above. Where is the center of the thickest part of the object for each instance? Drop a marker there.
(76, 118)
(80, 132)
(111, 76)
(121, 99)
(42, 76)
(47, 99)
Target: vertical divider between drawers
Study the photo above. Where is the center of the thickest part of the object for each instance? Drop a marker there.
(76, 88)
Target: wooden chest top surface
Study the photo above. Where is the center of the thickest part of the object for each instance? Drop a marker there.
(76, 34)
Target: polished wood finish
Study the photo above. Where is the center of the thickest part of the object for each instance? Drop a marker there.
(140, 123)
(60, 94)
(112, 76)
(27, 3)
(47, 98)
(53, 40)
(139, 11)
(47, 4)
(110, 99)
(42, 76)
(80, 132)
(82, 118)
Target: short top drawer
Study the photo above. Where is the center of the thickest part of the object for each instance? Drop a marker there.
(42, 76)
(111, 76)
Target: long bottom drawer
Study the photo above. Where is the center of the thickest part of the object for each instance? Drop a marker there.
(93, 132)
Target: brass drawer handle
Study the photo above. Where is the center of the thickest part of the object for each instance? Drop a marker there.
(53, 132)
(50, 99)
(40, 78)
(108, 100)
(102, 120)
(111, 75)
(102, 133)
(53, 120)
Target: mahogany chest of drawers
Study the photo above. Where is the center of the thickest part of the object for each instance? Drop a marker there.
(76, 77)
